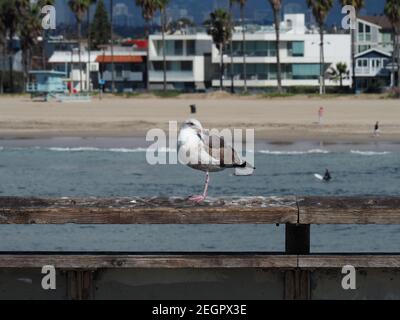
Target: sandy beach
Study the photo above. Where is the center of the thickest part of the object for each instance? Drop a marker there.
(276, 120)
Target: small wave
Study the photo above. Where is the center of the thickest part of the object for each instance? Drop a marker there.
(370, 153)
(118, 150)
(312, 151)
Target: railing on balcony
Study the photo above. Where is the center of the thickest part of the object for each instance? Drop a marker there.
(156, 76)
(123, 76)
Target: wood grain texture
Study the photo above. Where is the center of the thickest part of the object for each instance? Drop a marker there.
(357, 261)
(254, 210)
(92, 262)
(354, 210)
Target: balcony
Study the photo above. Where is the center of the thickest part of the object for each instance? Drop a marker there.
(123, 76)
(178, 76)
(370, 72)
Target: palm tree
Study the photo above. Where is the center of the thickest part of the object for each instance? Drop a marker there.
(276, 8)
(162, 6)
(242, 4)
(392, 11)
(219, 27)
(339, 73)
(112, 46)
(320, 10)
(10, 15)
(149, 9)
(231, 3)
(357, 5)
(79, 8)
(3, 53)
(30, 29)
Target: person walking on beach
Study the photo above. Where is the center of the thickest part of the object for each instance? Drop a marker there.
(376, 129)
(321, 115)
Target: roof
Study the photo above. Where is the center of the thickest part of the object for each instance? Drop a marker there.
(373, 50)
(49, 72)
(119, 59)
(381, 21)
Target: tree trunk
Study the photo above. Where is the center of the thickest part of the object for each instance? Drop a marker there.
(397, 59)
(112, 48)
(164, 49)
(11, 62)
(353, 60)
(244, 48)
(231, 52)
(221, 68)
(322, 61)
(278, 54)
(79, 56)
(89, 44)
(148, 56)
(3, 57)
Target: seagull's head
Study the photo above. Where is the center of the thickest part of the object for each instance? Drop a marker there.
(193, 124)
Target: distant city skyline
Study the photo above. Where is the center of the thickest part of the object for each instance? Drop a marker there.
(127, 14)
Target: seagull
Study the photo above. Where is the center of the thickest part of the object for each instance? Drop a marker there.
(208, 153)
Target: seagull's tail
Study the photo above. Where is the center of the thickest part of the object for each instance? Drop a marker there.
(244, 165)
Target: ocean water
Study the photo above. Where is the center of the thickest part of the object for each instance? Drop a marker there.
(118, 167)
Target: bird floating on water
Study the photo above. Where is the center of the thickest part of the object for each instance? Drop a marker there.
(208, 153)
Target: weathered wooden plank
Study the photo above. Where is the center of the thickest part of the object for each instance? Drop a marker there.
(346, 210)
(357, 261)
(91, 262)
(255, 210)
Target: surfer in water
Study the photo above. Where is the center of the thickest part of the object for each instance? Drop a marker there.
(327, 176)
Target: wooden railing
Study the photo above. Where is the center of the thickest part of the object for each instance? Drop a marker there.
(297, 213)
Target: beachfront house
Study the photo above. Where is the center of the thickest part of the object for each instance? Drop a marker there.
(374, 45)
(188, 55)
(129, 60)
(82, 73)
(373, 70)
(374, 32)
(193, 60)
(299, 51)
(94, 68)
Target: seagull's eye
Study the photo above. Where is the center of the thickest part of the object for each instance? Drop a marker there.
(191, 124)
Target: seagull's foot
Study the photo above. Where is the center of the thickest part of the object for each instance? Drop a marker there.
(197, 199)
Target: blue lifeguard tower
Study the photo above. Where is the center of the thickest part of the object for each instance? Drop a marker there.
(47, 83)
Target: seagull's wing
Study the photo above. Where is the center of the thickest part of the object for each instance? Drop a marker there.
(218, 149)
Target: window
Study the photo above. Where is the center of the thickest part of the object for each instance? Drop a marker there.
(296, 48)
(118, 70)
(191, 47)
(362, 63)
(306, 71)
(367, 33)
(363, 48)
(178, 47)
(173, 66)
(186, 66)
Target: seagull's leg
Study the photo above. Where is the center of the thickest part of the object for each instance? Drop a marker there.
(202, 197)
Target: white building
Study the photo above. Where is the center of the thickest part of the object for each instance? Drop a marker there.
(129, 63)
(76, 70)
(299, 53)
(188, 58)
(193, 60)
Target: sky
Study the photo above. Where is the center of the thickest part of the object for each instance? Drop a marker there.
(199, 9)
